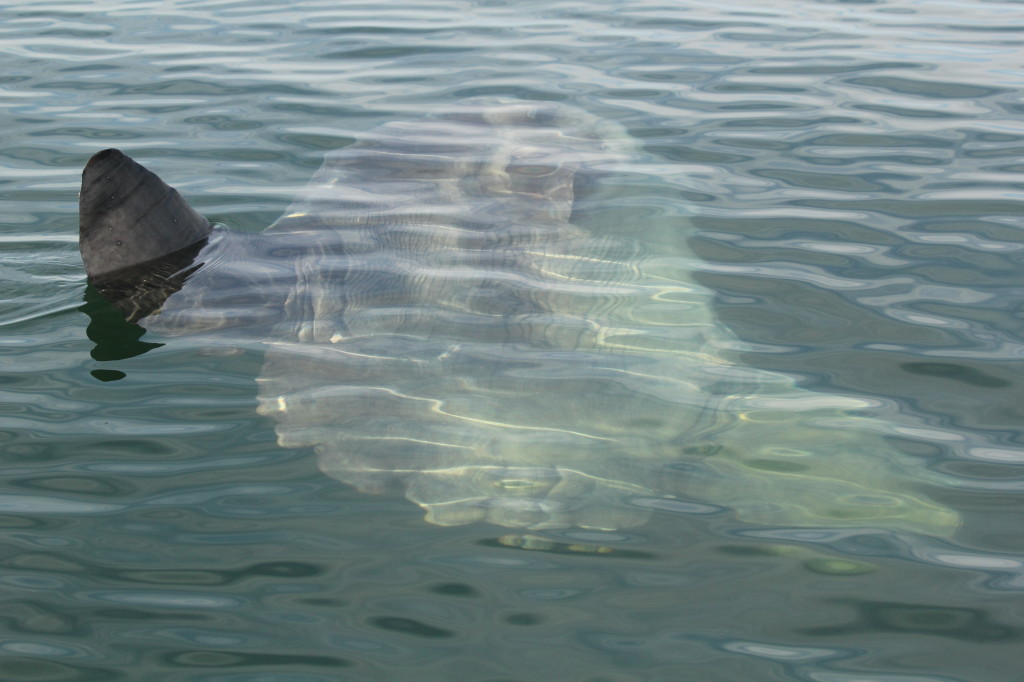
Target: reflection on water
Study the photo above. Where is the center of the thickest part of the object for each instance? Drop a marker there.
(963, 624)
(846, 176)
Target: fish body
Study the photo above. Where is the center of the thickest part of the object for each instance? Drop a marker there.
(440, 318)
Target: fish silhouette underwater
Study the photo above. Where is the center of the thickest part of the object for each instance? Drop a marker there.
(437, 318)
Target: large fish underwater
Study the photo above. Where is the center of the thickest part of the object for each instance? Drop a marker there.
(438, 319)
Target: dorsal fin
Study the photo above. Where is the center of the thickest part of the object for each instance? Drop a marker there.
(128, 216)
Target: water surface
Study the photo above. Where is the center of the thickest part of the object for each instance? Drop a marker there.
(847, 177)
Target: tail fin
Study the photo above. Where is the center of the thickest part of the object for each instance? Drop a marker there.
(128, 216)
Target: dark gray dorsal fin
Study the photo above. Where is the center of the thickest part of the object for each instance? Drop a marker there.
(128, 216)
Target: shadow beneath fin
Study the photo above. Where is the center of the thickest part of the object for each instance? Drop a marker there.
(115, 337)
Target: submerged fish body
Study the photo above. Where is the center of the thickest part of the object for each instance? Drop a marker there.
(438, 319)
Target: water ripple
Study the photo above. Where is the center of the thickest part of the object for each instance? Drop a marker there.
(848, 177)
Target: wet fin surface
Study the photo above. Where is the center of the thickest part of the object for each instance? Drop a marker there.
(141, 290)
(128, 216)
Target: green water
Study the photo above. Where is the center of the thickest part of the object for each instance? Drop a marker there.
(846, 180)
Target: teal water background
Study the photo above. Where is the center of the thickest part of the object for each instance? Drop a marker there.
(854, 176)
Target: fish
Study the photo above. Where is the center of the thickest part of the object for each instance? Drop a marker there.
(445, 314)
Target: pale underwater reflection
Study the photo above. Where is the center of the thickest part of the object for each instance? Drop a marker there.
(439, 320)
(824, 468)
(586, 429)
